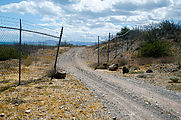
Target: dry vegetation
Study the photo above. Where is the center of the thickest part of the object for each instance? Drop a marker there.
(165, 69)
(157, 47)
(40, 98)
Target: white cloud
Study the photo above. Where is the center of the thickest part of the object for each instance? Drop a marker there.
(41, 7)
(96, 17)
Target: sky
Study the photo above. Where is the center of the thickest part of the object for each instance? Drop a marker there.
(84, 20)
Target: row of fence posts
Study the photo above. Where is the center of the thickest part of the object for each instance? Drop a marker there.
(116, 46)
(20, 49)
(98, 47)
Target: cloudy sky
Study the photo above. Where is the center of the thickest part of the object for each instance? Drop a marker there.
(86, 19)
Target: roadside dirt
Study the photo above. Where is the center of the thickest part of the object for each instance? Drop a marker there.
(126, 98)
(39, 98)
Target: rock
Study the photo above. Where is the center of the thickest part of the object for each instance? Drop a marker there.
(50, 83)
(113, 67)
(125, 70)
(60, 75)
(61, 107)
(149, 71)
(2, 115)
(28, 111)
(105, 65)
(174, 70)
(102, 66)
(114, 118)
(16, 104)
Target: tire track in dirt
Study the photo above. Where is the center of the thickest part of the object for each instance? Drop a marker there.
(127, 100)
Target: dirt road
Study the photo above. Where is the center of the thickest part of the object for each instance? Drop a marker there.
(127, 99)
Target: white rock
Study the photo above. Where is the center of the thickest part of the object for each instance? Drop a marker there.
(28, 111)
(2, 115)
(61, 107)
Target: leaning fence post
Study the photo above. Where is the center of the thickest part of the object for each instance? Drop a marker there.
(20, 30)
(57, 52)
(98, 50)
(108, 47)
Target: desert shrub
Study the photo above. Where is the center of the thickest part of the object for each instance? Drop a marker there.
(154, 49)
(8, 53)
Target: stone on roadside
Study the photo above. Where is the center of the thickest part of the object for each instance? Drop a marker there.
(114, 118)
(2, 115)
(28, 111)
(113, 67)
(105, 65)
(60, 75)
(102, 66)
(149, 71)
(125, 70)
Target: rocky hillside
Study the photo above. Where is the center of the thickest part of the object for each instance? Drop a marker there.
(156, 47)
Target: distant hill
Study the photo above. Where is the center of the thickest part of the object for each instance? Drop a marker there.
(50, 43)
(79, 43)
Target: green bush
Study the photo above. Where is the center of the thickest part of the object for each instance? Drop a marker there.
(8, 53)
(154, 49)
(123, 31)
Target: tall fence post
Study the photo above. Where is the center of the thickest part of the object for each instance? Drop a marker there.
(116, 46)
(108, 47)
(20, 31)
(55, 65)
(98, 50)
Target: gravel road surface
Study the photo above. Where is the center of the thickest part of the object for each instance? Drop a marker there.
(127, 99)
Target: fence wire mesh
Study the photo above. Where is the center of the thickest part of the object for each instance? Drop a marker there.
(38, 50)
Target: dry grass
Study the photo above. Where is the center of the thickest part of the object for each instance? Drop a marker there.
(45, 99)
(163, 68)
(62, 99)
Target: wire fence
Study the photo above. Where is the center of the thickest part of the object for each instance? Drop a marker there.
(26, 54)
(111, 46)
(24, 44)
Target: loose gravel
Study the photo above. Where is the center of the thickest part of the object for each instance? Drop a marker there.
(126, 98)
